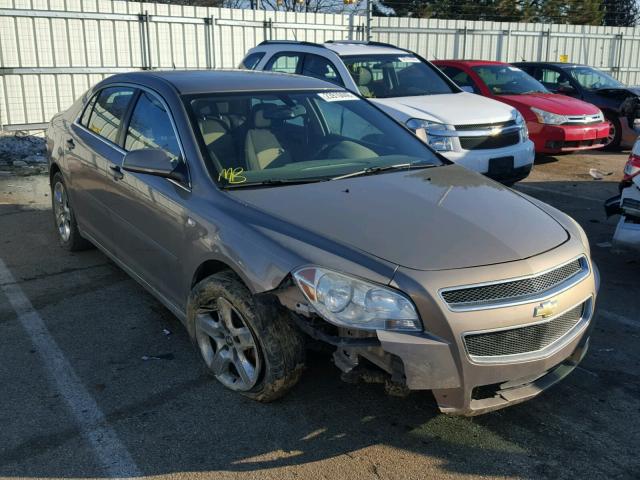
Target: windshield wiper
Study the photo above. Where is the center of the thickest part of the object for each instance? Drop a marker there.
(274, 182)
(386, 168)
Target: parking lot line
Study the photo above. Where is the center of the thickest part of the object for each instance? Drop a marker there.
(110, 451)
(556, 192)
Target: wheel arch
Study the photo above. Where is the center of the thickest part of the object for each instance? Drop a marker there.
(53, 169)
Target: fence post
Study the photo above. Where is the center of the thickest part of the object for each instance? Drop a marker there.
(616, 67)
(548, 46)
(207, 42)
(368, 23)
(464, 32)
(143, 41)
(267, 26)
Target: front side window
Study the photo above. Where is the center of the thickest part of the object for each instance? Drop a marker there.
(552, 79)
(108, 112)
(150, 127)
(319, 67)
(460, 77)
(284, 63)
(404, 75)
(508, 80)
(251, 61)
(593, 79)
(306, 136)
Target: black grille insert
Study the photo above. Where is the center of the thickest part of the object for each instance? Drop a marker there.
(523, 339)
(513, 290)
(490, 141)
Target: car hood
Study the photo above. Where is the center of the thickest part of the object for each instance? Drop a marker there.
(550, 102)
(620, 90)
(430, 219)
(452, 108)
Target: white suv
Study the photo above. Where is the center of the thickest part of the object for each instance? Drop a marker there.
(481, 134)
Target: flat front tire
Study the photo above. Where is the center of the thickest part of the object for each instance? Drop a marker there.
(248, 344)
(64, 217)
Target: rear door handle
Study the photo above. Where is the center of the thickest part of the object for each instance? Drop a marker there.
(70, 144)
(117, 172)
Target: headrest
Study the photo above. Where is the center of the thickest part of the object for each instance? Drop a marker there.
(212, 125)
(259, 119)
(363, 76)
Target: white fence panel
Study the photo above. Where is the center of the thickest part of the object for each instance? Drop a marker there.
(53, 50)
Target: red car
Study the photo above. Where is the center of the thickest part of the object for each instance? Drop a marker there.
(556, 123)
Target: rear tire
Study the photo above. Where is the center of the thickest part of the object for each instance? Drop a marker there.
(247, 343)
(615, 132)
(64, 217)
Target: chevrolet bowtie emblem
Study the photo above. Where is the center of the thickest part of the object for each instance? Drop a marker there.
(546, 309)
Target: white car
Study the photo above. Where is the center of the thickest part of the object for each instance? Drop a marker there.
(476, 132)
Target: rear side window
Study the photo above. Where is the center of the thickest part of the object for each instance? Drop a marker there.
(284, 62)
(319, 67)
(251, 61)
(150, 127)
(109, 109)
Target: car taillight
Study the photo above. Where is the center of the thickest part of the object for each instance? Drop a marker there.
(632, 168)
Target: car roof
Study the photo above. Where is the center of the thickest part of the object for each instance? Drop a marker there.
(553, 64)
(470, 63)
(346, 48)
(213, 81)
(339, 47)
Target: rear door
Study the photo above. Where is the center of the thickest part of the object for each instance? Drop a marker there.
(93, 156)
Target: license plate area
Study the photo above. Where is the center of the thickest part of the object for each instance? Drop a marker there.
(500, 166)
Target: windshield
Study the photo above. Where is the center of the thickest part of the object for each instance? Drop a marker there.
(508, 80)
(593, 79)
(385, 76)
(272, 138)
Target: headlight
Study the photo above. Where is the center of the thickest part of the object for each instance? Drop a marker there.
(548, 117)
(600, 116)
(350, 302)
(520, 121)
(432, 134)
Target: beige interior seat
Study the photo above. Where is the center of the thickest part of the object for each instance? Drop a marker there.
(219, 142)
(363, 78)
(262, 147)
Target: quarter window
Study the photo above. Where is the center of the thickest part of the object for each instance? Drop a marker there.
(284, 62)
(109, 109)
(251, 61)
(84, 121)
(319, 67)
(150, 127)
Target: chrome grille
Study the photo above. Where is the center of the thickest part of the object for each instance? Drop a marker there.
(481, 126)
(584, 119)
(495, 293)
(523, 339)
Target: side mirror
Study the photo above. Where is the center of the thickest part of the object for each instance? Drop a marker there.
(468, 89)
(152, 161)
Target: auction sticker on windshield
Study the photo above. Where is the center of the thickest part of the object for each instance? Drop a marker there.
(409, 59)
(337, 96)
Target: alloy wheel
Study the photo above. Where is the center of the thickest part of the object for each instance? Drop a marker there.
(227, 345)
(62, 211)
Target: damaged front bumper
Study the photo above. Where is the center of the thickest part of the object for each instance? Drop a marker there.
(627, 205)
(439, 358)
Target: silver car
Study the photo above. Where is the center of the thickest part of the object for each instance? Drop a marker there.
(268, 211)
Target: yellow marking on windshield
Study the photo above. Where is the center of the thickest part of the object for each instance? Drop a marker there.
(233, 175)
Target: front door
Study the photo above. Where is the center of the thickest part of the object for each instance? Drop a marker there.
(150, 215)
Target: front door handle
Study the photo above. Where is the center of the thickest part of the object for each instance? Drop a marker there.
(117, 172)
(70, 144)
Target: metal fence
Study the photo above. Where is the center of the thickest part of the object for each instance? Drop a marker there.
(53, 50)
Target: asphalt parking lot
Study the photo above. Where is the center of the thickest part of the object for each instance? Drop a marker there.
(98, 379)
